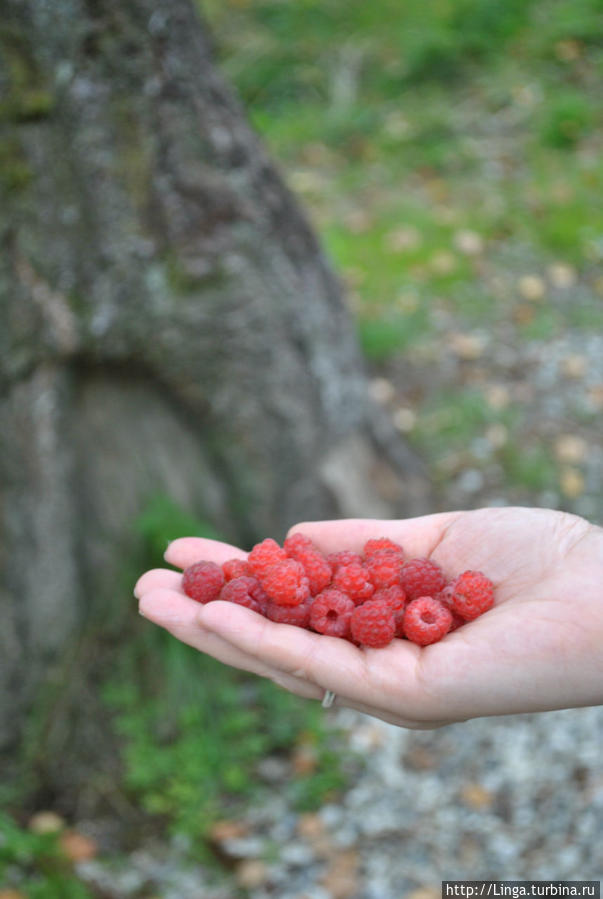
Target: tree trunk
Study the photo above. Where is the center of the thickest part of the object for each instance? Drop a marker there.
(169, 321)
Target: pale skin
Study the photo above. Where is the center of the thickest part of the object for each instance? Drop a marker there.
(539, 648)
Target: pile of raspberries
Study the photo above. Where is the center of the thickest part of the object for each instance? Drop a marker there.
(367, 599)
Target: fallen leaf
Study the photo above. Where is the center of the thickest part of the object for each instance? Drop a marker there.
(77, 847)
(251, 873)
(424, 893)
(304, 759)
(469, 242)
(443, 263)
(341, 877)
(404, 420)
(310, 826)
(570, 448)
(476, 796)
(382, 390)
(403, 239)
(572, 483)
(498, 396)
(228, 830)
(568, 50)
(532, 288)
(468, 346)
(574, 366)
(12, 894)
(46, 822)
(497, 436)
(562, 276)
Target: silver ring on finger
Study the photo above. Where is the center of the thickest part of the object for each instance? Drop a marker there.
(328, 699)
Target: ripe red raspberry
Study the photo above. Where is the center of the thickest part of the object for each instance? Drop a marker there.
(353, 579)
(426, 620)
(245, 591)
(316, 567)
(286, 583)
(373, 624)
(472, 594)
(295, 543)
(203, 581)
(395, 597)
(344, 557)
(445, 597)
(297, 615)
(236, 568)
(421, 577)
(264, 555)
(331, 613)
(381, 544)
(384, 569)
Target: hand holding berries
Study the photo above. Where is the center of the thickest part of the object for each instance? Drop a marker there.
(396, 653)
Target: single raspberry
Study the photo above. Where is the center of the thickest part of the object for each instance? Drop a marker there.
(426, 620)
(203, 581)
(331, 613)
(344, 557)
(472, 594)
(381, 544)
(353, 579)
(384, 569)
(395, 597)
(245, 591)
(236, 568)
(297, 615)
(373, 624)
(318, 570)
(421, 577)
(286, 583)
(295, 542)
(264, 555)
(445, 597)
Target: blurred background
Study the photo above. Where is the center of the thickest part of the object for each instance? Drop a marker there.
(447, 154)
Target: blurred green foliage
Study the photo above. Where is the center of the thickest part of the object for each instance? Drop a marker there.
(34, 864)
(193, 731)
(444, 149)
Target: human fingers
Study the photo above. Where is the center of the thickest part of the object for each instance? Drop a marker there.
(187, 550)
(179, 615)
(157, 577)
(384, 678)
(418, 536)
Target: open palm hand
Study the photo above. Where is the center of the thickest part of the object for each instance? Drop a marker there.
(539, 648)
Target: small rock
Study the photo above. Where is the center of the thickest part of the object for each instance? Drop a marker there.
(497, 436)
(498, 396)
(427, 892)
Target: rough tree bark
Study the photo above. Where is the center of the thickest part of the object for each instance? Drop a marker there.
(168, 320)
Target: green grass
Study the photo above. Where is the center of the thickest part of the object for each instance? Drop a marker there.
(437, 117)
(34, 864)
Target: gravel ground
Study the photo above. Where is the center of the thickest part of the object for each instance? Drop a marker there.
(494, 798)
